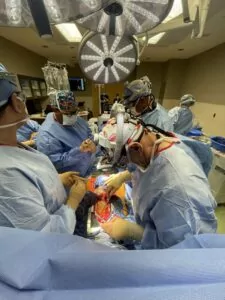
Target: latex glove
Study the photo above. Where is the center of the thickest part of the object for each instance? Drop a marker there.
(88, 146)
(115, 181)
(120, 229)
(69, 178)
(76, 194)
(29, 143)
(33, 135)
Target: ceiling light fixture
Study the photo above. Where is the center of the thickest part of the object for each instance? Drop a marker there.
(17, 13)
(176, 10)
(156, 38)
(13, 11)
(53, 10)
(107, 59)
(70, 32)
(127, 17)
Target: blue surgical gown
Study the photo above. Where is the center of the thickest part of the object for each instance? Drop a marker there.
(24, 132)
(62, 145)
(158, 117)
(182, 119)
(31, 193)
(172, 199)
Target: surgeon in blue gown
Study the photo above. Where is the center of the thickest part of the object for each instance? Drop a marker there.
(27, 133)
(66, 138)
(138, 98)
(32, 194)
(182, 116)
(171, 194)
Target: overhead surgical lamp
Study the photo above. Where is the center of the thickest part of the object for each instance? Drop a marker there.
(24, 13)
(107, 59)
(127, 17)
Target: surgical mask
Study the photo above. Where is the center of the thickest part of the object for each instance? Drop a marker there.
(20, 97)
(157, 142)
(15, 123)
(69, 120)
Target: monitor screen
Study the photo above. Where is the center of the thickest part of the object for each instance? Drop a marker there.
(77, 84)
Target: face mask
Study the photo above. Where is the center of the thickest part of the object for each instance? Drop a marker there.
(69, 120)
(14, 124)
(157, 142)
(18, 122)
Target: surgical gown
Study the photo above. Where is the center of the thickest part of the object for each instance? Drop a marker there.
(24, 132)
(182, 119)
(172, 199)
(31, 193)
(158, 117)
(62, 145)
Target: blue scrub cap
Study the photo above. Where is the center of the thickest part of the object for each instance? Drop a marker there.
(187, 100)
(7, 87)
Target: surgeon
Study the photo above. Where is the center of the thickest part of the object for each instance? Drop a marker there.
(182, 116)
(66, 138)
(27, 133)
(138, 98)
(32, 194)
(171, 194)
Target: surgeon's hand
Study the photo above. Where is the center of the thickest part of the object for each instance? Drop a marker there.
(120, 229)
(115, 181)
(69, 178)
(88, 146)
(30, 143)
(77, 193)
(33, 135)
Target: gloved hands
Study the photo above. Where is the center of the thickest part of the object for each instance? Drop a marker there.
(120, 229)
(88, 146)
(69, 178)
(77, 193)
(115, 181)
(29, 143)
(33, 135)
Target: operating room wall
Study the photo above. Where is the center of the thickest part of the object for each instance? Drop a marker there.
(20, 60)
(205, 79)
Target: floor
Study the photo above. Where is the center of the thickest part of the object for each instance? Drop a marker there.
(220, 213)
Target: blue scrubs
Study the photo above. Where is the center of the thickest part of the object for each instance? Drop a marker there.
(31, 193)
(62, 145)
(158, 117)
(182, 119)
(172, 198)
(24, 132)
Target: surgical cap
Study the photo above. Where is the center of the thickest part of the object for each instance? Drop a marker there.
(63, 100)
(187, 100)
(7, 88)
(138, 88)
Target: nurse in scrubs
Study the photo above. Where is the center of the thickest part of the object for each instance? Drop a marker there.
(32, 194)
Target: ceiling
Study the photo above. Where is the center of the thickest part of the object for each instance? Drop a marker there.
(176, 44)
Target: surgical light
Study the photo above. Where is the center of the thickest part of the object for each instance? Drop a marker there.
(127, 17)
(107, 59)
(17, 13)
